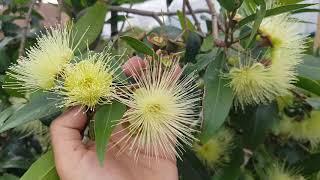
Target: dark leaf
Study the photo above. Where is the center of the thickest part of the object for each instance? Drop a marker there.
(42, 169)
(40, 105)
(310, 68)
(232, 170)
(90, 25)
(105, 120)
(309, 85)
(309, 165)
(217, 98)
(261, 12)
(259, 123)
(314, 102)
(202, 60)
(8, 177)
(275, 11)
(230, 5)
(137, 45)
(185, 22)
(193, 45)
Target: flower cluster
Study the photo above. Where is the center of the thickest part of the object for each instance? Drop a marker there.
(162, 105)
(215, 151)
(279, 172)
(256, 81)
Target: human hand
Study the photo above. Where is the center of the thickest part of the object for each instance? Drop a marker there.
(78, 161)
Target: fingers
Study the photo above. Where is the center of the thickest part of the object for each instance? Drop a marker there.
(134, 66)
(66, 136)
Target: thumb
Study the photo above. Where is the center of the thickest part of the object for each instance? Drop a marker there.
(66, 136)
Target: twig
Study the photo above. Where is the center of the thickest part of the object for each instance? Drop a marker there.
(214, 19)
(124, 22)
(215, 25)
(196, 21)
(184, 14)
(26, 28)
(151, 13)
(60, 5)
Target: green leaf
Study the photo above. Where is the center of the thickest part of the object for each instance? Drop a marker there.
(217, 97)
(314, 102)
(309, 85)
(275, 11)
(105, 120)
(89, 26)
(193, 45)
(207, 44)
(185, 22)
(230, 5)
(306, 10)
(40, 105)
(42, 169)
(310, 68)
(204, 59)
(191, 168)
(137, 45)
(289, 1)
(5, 114)
(310, 165)
(261, 12)
(171, 32)
(232, 170)
(8, 177)
(259, 122)
(5, 60)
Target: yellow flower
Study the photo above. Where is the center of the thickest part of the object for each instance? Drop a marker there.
(287, 46)
(256, 81)
(279, 172)
(89, 82)
(38, 69)
(162, 112)
(215, 151)
(304, 130)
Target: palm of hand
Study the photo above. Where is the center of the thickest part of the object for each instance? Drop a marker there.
(77, 161)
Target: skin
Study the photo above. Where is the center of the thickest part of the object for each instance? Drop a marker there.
(78, 161)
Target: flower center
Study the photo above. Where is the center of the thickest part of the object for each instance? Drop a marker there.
(153, 108)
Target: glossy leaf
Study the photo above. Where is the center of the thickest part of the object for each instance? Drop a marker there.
(261, 12)
(309, 165)
(42, 169)
(185, 22)
(202, 60)
(309, 85)
(105, 120)
(274, 11)
(8, 177)
(137, 45)
(5, 114)
(217, 97)
(90, 25)
(259, 123)
(314, 102)
(310, 68)
(39, 106)
(232, 170)
(230, 4)
(193, 45)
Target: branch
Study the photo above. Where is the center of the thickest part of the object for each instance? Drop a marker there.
(184, 14)
(60, 5)
(26, 28)
(151, 13)
(214, 19)
(196, 21)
